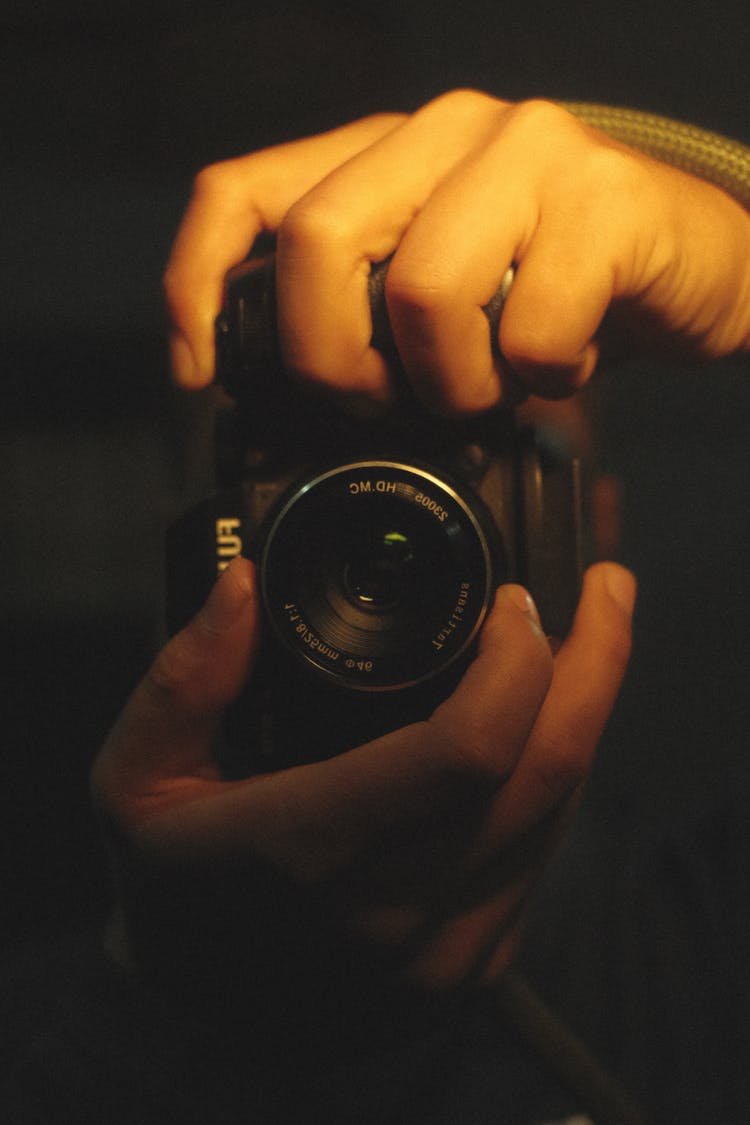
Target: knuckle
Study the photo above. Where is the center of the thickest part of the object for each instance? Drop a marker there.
(540, 118)
(465, 99)
(538, 340)
(464, 744)
(217, 188)
(540, 355)
(172, 673)
(470, 747)
(423, 289)
(564, 763)
(227, 189)
(311, 225)
(476, 751)
(215, 181)
(606, 171)
(208, 182)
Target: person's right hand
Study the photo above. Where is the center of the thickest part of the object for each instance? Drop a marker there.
(457, 192)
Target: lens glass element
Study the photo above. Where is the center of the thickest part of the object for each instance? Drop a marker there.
(378, 573)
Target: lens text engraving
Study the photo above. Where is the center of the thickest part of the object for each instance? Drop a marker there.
(307, 635)
(358, 487)
(456, 619)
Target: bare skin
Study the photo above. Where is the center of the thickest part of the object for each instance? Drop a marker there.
(458, 191)
(425, 844)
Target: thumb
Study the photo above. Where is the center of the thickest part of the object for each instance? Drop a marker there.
(167, 729)
(203, 668)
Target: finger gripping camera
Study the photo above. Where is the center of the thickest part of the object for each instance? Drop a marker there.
(379, 544)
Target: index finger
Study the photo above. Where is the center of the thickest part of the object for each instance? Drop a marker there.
(589, 669)
(232, 202)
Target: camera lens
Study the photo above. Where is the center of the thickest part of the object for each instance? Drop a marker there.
(380, 570)
(377, 575)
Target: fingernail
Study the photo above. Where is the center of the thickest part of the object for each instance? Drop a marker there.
(524, 601)
(621, 587)
(229, 597)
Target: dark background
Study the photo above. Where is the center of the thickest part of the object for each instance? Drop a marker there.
(106, 113)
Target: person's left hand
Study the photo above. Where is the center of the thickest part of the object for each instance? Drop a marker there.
(419, 849)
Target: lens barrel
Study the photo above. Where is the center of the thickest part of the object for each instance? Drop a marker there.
(377, 575)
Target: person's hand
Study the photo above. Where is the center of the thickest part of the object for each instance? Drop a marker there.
(458, 191)
(418, 850)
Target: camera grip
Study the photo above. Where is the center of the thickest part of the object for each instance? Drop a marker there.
(248, 357)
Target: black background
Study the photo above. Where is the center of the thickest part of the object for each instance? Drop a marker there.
(106, 113)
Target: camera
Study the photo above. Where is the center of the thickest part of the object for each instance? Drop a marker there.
(379, 544)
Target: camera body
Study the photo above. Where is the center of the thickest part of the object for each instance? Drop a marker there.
(379, 544)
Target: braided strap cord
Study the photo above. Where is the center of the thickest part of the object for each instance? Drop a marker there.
(711, 156)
